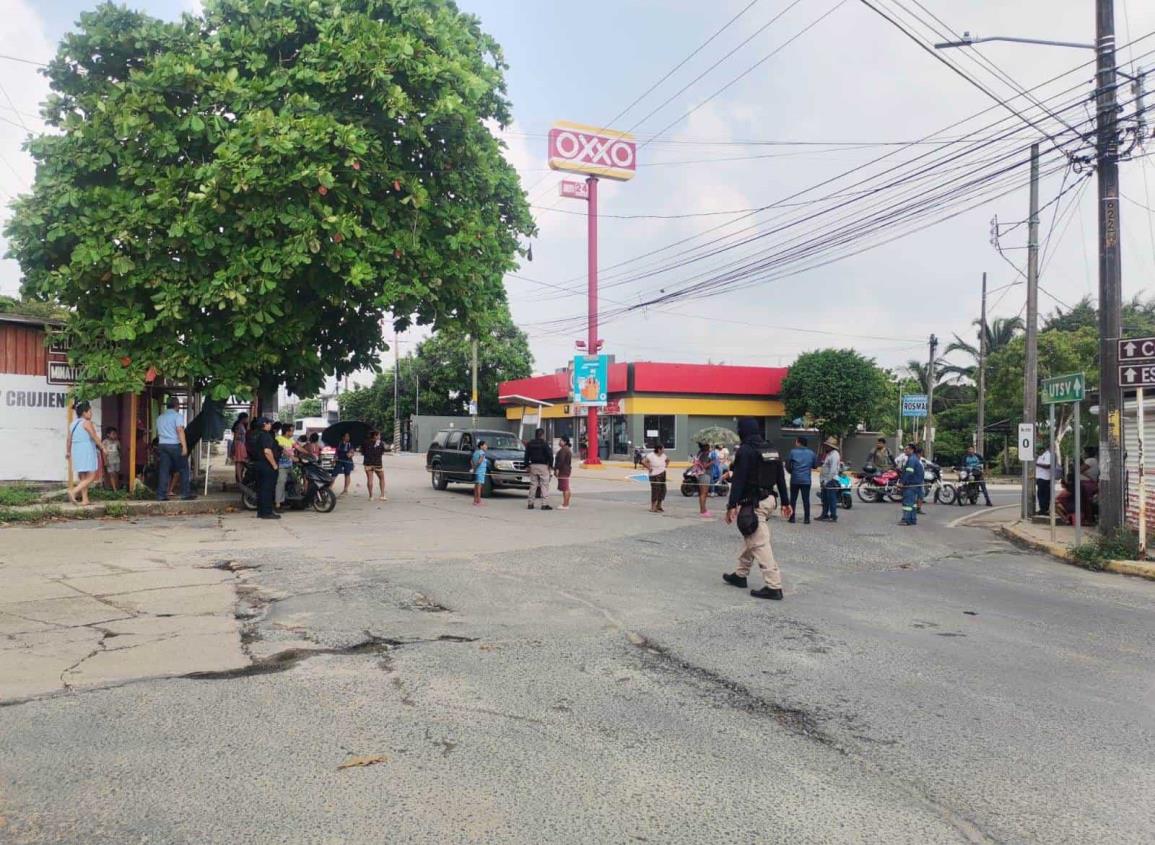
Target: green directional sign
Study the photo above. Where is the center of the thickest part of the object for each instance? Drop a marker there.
(1061, 389)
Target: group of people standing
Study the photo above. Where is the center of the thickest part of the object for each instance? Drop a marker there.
(801, 463)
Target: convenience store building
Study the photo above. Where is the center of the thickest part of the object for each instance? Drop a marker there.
(651, 402)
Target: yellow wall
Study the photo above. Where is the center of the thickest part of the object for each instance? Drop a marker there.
(691, 405)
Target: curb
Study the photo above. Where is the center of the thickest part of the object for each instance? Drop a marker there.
(1134, 568)
(48, 511)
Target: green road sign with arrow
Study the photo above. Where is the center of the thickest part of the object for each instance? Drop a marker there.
(1061, 389)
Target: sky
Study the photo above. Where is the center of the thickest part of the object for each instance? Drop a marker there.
(786, 97)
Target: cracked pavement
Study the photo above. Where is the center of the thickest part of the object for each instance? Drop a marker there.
(423, 671)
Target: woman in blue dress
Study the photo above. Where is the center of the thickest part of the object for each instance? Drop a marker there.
(83, 449)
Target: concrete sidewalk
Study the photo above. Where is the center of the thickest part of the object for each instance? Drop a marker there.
(85, 605)
(1038, 536)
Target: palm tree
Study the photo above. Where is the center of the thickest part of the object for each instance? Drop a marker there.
(1000, 332)
(947, 388)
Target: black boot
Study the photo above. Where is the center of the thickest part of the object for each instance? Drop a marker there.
(734, 579)
(767, 593)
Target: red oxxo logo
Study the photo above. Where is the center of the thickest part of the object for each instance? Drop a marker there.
(593, 151)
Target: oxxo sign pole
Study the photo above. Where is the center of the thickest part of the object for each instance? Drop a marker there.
(594, 152)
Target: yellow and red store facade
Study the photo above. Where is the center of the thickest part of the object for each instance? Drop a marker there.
(655, 402)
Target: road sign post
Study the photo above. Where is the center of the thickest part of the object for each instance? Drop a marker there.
(1026, 447)
(1056, 391)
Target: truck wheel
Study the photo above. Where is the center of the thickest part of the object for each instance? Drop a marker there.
(438, 480)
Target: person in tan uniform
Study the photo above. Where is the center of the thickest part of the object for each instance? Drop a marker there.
(757, 475)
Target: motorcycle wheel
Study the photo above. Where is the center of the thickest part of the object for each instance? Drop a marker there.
(946, 494)
(867, 492)
(973, 498)
(249, 501)
(324, 501)
(689, 489)
(894, 494)
(846, 500)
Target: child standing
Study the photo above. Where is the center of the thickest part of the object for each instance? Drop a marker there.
(112, 458)
(479, 463)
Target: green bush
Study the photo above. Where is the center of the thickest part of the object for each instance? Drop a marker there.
(1120, 544)
(116, 510)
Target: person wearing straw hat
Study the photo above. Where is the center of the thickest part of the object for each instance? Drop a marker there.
(828, 480)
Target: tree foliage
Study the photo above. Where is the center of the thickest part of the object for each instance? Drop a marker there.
(241, 199)
(442, 370)
(835, 389)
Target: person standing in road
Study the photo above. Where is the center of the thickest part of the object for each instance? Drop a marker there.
(284, 438)
(701, 471)
(1043, 469)
(913, 477)
(539, 459)
(344, 464)
(371, 453)
(563, 469)
(752, 487)
(974, 465)
(479, 464)
(828, 480)
(656, 463)
(173, 449)
(240, 445)
(263, 448)
(880, 456)
(801, 463)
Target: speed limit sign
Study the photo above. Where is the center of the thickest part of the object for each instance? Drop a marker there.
(1026, 442)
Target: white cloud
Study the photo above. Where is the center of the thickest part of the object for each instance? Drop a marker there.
(23, 36)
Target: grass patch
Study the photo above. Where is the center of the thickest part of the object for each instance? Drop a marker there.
(15, 495)
(26, 514)
(1120, 544)
(116, 510)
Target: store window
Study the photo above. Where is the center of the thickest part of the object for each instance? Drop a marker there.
(621, 436)
(659, 428)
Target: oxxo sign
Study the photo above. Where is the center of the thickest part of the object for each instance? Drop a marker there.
(592, 150)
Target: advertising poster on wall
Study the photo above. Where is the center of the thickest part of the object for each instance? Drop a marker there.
(591, 378)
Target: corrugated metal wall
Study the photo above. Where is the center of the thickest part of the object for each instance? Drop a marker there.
(1131, 461)
(22, 350)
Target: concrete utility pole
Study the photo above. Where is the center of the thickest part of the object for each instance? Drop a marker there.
(929, 439)
(981, 438)
(1110, 275)
(473, 393)
(396, 385)
(1031, 368)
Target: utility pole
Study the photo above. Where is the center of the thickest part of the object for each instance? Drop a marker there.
(396, 387)
(1110, 275)
(1031, 370)
(929, 438)
(473, 393)
(981, 439)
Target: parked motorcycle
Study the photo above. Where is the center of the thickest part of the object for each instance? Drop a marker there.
(690, 485)
(968, 486)
(845, 497)
(878, 485)
(315, 488)
(936, 489)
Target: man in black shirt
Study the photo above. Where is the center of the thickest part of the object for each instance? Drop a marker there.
(747, 493)
(264, 450)
(539, 461)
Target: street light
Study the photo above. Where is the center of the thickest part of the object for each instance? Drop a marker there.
(969, 40)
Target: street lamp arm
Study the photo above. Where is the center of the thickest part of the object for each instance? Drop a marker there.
(969, 40)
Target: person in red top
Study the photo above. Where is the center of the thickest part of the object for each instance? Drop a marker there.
(563, 469)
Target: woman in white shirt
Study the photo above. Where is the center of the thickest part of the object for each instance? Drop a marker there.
(656, 463)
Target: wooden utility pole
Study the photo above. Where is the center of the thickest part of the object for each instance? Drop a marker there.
(1031, 370)
(981, 439)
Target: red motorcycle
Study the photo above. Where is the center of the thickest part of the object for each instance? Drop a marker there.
(878, 485)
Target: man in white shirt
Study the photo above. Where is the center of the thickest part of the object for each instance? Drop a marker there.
(1043, 466)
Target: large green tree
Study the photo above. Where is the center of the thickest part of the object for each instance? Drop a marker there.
(242, 198)
(834, 389)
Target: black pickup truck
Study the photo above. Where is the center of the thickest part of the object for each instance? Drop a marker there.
(448, 459)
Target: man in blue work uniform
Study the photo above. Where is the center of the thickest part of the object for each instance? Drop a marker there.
(913, 478)
(973, 463)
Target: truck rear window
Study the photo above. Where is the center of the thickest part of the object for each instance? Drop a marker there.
(440, 439)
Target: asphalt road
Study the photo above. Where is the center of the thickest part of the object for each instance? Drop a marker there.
(585, 676)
